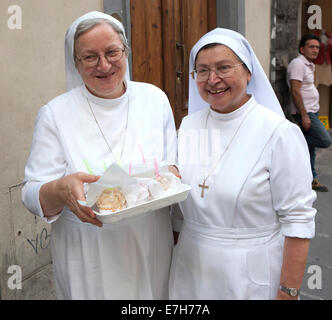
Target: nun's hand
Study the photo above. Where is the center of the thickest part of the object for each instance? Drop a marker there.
(175, 171)
(65, 192)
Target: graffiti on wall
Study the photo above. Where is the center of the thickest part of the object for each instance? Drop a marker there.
(40, 241)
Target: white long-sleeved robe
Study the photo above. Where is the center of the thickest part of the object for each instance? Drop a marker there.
(129, 259)
(231, 241)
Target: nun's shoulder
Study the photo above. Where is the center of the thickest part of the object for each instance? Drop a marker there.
(65, 99)
(281, 124)
(143, 88)
(193, 119)
(57, 106)
(268, 114)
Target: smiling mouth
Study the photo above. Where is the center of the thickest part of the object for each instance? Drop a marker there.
(104, 76)
(218, 91)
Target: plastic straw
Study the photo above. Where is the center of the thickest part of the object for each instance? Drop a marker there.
(130, 168)
(140, 149)
(118, 160)
(156, 167)
(88, 166)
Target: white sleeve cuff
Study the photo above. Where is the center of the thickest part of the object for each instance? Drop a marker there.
(30, 198)
(304, 230)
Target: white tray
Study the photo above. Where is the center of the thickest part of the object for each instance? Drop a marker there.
(144, 207)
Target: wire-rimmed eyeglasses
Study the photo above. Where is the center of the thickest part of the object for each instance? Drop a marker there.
(224, 71)
(92, 59)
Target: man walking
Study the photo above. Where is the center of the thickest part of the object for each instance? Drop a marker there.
(305, 100)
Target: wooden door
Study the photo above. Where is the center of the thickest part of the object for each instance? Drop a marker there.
(162, 35)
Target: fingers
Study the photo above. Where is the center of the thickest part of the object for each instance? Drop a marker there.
(72, 190)
(74, 183)
(307, 126)
(175, 171)
(87, 178)
(85, 214)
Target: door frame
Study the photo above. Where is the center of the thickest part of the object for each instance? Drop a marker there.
(120, 9)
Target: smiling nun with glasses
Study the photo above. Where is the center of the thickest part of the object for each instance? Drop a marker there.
(248, 220)
(103, 118)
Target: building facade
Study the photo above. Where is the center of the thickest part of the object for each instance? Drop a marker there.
(32, 36)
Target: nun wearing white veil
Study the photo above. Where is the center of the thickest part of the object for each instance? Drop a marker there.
(103, 118)
(248, 220)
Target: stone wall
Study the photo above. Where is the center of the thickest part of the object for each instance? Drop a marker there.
(286, 14)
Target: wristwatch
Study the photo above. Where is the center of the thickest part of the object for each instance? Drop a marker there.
(293, 292)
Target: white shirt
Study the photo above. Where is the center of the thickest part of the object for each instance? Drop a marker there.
(303, 70)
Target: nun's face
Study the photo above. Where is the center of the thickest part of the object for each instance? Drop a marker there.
(105, 80)
(223, 94)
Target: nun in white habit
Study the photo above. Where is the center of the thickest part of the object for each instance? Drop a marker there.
(248, 220)
(103, 118)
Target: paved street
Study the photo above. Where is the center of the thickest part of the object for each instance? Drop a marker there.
(320, 253)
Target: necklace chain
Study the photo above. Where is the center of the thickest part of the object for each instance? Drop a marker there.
(103, 135)
(203, 185)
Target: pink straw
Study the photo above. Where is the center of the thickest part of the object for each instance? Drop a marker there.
(140, 148)
(130, 168)
(156, 167)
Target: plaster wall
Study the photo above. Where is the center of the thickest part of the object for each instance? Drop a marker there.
(32, 73)
(257, 29)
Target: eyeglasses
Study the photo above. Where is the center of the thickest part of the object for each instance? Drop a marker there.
(91, 60)
(224, 71)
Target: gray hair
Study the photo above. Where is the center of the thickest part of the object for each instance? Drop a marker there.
(86, 25)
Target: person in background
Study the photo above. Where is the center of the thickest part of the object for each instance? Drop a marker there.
(104, 118)
(305, 100)
(248, 220)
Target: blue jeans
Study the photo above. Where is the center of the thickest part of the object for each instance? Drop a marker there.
(317, 137)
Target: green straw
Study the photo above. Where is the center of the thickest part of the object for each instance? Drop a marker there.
(88, 166)
(118, 160)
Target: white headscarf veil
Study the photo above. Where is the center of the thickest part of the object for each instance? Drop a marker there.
(73, 78)
(259, 85)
